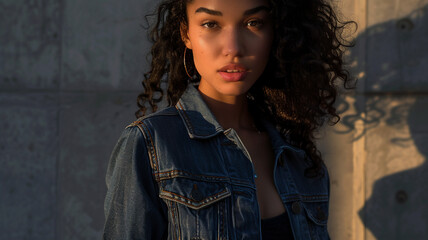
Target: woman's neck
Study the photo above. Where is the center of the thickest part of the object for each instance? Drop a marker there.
(232, 113)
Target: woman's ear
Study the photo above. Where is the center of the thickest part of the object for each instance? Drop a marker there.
(184, 30)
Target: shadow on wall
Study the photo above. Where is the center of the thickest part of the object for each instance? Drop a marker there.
(395, 117)
(397, 208)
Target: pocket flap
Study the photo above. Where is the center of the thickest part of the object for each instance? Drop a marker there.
(195, 194)
(317, 211)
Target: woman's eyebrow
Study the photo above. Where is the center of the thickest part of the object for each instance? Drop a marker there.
(208, 11)
(246, 13)
(256, 10)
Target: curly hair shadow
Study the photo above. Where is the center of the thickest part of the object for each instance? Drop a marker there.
(299, 86)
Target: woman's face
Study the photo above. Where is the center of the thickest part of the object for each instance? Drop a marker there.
(231, 42)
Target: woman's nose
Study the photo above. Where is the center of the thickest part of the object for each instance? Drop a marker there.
(232, 43)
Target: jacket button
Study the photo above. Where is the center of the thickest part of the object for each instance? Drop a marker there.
(296, 207)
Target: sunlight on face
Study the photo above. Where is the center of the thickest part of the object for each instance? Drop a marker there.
(231, 42)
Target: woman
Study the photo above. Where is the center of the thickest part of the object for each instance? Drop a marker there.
(233, 156)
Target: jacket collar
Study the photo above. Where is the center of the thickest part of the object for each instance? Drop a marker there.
(197, 117)
(279, 142)
(201, 123)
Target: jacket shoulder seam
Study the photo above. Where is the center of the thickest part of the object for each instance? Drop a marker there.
(150, 143)
(163, 113)
(151, 149)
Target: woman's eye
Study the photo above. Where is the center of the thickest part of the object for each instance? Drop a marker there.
(255, 23)
(210, 24)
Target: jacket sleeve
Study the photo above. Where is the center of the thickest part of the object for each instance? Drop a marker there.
(132, 207)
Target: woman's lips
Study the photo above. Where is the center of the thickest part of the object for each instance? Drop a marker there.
(233, 76)
(233, 72)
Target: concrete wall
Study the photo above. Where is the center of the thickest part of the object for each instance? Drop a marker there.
(70, 72)
(69, 75)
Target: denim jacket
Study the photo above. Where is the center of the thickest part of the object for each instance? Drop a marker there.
(177, 174)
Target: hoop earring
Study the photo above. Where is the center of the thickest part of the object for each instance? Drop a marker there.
(184, 61)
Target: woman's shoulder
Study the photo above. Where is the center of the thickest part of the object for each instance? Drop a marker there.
(160, 125)
(166, 114)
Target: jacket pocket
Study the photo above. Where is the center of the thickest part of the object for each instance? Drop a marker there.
(197, 209)
(193, 193)
(317, 215)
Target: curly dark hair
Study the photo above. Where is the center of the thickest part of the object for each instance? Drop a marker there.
(299, 86)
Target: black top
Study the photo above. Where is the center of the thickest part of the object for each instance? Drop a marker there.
(277, 228)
